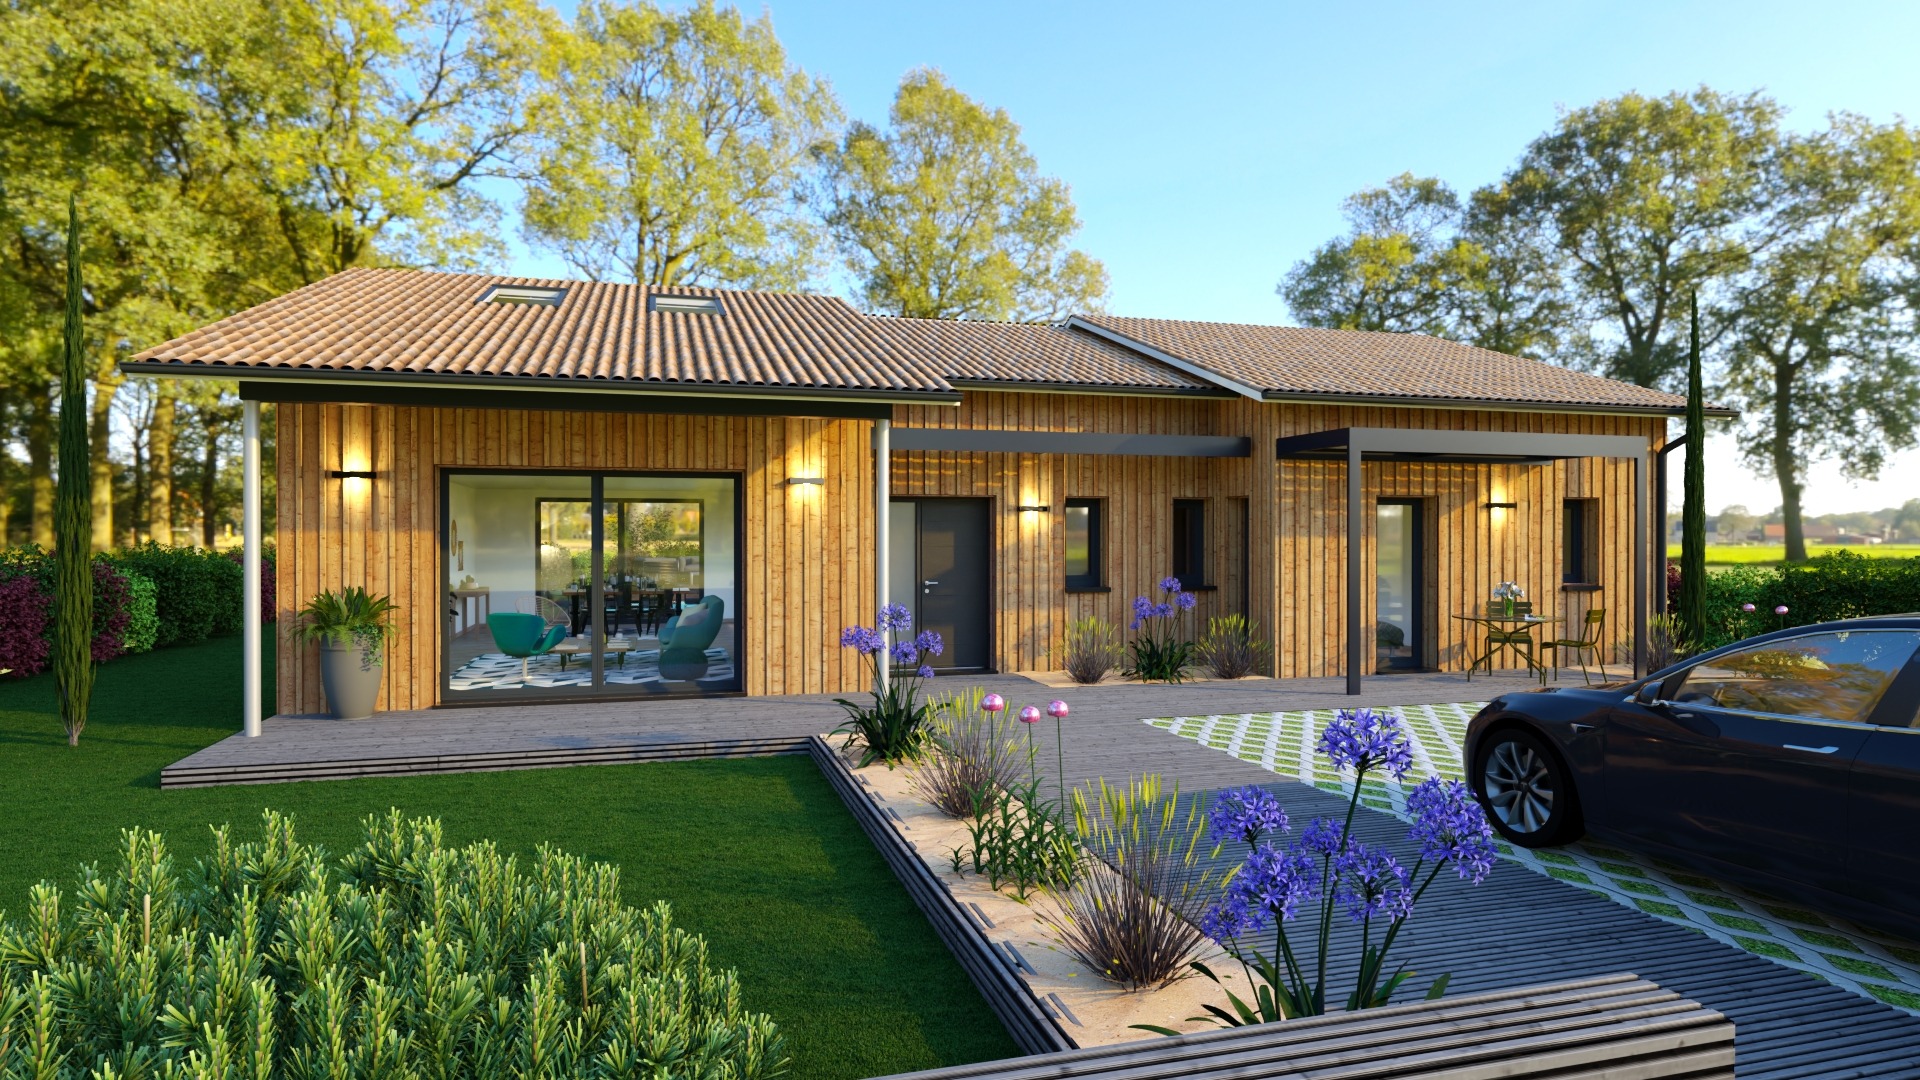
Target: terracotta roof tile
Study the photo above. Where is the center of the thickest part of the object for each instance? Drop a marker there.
(1288, 360)
(1034, 353)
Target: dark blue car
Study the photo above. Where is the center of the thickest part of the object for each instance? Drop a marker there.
(1789, 761)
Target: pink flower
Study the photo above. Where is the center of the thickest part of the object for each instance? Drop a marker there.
(993, 703)
(1746, 607)
(1056, 709)
(1030, 715)
(1781, 610)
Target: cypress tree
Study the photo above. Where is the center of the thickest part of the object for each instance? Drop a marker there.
(73, 514)
(1693, 510)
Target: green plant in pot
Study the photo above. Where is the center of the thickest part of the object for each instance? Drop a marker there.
(352, 628)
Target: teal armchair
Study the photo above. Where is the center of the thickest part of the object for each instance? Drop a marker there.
(685, 638)
(524, 636)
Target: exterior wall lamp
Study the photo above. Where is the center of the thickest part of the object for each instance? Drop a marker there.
(1027, 508)
(352, 474)
(1502, 505)
(796, 480)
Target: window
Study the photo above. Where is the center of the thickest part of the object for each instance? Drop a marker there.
(1190, 542)
(686, 305)
(524, 294)
(1835, 676)
(1579, 520)
(1084, 552)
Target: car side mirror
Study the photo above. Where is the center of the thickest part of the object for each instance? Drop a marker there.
(1647, 693)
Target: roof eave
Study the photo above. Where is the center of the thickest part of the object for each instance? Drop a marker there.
(1408, 401)
(175, 369)
(1097, 389)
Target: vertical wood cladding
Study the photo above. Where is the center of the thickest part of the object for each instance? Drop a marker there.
(807, 563)
(808, 556)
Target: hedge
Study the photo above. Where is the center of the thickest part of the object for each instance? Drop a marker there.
(402, 958)
(143, 598)
(1835, 585)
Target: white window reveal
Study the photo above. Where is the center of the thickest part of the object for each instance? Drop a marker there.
(685, 305)
(524, 294)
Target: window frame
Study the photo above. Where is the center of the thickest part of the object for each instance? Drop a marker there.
(1095, 578)
(1194, 541)
(1578, 546)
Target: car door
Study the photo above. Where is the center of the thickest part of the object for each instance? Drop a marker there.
(1746, 756)
(1883, 852)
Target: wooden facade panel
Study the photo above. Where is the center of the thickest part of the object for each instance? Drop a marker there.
(804, 549)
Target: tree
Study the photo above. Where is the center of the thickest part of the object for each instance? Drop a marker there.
(946, 214)
(1648, 200)
(1693, 512)
(1736, 521)
(73, 520)
(1823, 354)
(1391, 271)
(679, 152)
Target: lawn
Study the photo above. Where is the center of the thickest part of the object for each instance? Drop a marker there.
(1773, 554)
(758, 856)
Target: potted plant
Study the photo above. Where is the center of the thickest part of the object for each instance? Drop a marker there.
(352, 628)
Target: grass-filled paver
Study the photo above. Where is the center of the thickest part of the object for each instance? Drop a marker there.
(757, 855)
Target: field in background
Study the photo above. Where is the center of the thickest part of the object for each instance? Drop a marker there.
(1772, 554)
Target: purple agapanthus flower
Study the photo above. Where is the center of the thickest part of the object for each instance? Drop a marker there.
(904, 653)
(895, 617)
(1363, 740)
(1186, 600)
(1170, 584)
(925, 672)
(862, 639)
(1449, 826)
(1245, 814)
(1323, 837)
(1229, 917)
(1372, 884)
(929, 643)
(1276, 882)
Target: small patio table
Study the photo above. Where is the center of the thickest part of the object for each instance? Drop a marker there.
(1527, 622)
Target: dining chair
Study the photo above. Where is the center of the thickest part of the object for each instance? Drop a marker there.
(1499, 638)
(1581, 646)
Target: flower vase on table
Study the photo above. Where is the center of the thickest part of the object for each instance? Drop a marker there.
(1508, 592)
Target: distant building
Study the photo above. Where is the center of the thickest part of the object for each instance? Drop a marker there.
(1812, 530)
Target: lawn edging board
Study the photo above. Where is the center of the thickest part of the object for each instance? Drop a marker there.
(1030, 1022)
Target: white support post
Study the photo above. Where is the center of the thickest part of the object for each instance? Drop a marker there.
(250, 526)
(882, 525)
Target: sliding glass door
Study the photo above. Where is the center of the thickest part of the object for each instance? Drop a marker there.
(596, 585)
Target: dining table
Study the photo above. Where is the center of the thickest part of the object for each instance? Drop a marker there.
(1501, 621)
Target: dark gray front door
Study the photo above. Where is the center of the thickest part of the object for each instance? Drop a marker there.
(955, 565)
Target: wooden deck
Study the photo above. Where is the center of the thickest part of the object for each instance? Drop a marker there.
(1520, 928)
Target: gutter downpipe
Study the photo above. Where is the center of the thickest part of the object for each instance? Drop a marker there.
(250, 534)
(1658, 564)
(882, 531)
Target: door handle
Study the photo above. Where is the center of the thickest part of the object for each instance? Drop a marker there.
(1810, 749)
(1580, 729)
(929, 583)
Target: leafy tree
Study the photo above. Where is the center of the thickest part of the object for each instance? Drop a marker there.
(1736, 522)
(1823, 352)
(73, 521)
(1906, 522)
(1392, 271)
(1647, 200)
(946, 214)
(679, 149)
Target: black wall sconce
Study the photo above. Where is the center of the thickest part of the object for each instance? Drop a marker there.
(352, 474)
(1029, 509)
(1501, 505)
(806, 480)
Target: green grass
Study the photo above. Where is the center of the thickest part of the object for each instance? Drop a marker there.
(1773, 554)
(758, 855)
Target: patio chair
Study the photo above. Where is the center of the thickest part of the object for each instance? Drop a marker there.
(1501, 639)
(524, 635)
(1581, 646)
(685, 638)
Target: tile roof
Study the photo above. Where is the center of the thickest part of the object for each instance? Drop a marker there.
(1289, 361)
(409, 322)
(1033, 353)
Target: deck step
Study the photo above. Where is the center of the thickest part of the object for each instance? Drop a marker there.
(426, 764)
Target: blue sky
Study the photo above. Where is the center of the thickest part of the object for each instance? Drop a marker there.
(1209, 147)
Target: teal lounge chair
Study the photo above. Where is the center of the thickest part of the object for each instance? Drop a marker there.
(685, 638)
(524, 636)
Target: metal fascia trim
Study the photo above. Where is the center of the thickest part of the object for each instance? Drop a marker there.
(1075, 322)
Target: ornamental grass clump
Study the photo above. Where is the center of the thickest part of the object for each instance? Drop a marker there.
(1089, 653)
(1160, 654)
(894, 728)
(971, 758)
(403, 958)
(1326, 870)
(1231, 648)
(1132, 916)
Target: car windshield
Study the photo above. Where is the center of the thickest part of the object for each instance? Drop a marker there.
(1833, 676)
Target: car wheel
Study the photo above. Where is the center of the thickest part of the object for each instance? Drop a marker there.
(1526, 791)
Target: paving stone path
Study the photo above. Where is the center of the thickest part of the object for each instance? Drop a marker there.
(1830, 949)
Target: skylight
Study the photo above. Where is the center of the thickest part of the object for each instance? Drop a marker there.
(524, 294)
(686, 305)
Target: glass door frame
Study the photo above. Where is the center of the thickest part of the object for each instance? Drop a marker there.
(1417, 613)
(598, 689)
